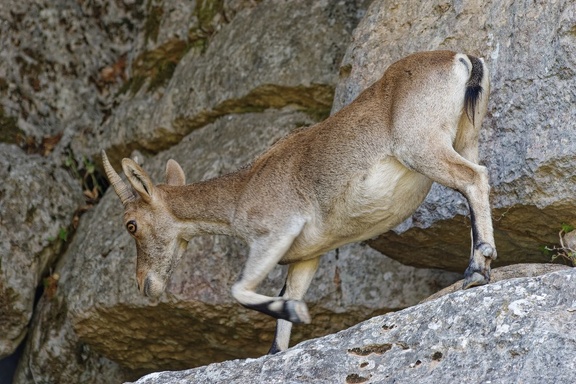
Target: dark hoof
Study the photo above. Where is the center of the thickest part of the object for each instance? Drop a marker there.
(297, 312)
(274, 349)
(475, 278)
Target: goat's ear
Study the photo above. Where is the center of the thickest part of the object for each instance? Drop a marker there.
(139, 179)
(174, 173)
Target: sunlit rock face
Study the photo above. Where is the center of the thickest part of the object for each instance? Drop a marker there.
(214, 83)
(502, 332)
(527, 141)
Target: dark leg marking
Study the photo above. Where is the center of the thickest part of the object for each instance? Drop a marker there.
(474, 225)
(275, 348)
(477, 274)
(288, 309)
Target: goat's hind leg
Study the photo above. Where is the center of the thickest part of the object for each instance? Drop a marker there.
(300, 275)
(264, 255)
(466, 144)
(445, 166)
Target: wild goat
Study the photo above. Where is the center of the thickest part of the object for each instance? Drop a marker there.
(357, 174)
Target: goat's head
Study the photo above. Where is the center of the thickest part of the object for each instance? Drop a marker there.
(148, 219)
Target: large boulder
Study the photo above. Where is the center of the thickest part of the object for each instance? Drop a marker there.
(276, 54)
(517, 330)
(37, 203)
(136, 81)
(505, 273)
(525, 142)
(52, 54)
(99, 310)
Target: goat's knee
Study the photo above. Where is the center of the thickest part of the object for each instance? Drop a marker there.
(294, 311)
(486, 250)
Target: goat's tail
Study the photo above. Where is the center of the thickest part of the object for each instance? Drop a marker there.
(474, 87)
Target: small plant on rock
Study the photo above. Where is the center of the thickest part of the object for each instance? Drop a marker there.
(567, 249)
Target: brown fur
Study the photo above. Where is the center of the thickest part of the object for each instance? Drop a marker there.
(357, 174)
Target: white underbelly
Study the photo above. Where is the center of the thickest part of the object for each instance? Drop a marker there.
(373, 203)
(384, 197)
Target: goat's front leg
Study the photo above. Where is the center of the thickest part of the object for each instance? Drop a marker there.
(265, 253)
(439, 161)
(300, 275)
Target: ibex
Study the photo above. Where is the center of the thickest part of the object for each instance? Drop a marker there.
(357, 174)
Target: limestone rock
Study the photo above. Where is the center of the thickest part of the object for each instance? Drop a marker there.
(52, 55)
(526, 142)
(261, 59)
(510, 331)
(54, 354)
(506, 273)
(197, 321)
(37, 203)
(135, 84)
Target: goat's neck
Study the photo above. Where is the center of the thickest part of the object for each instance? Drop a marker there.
(208, 207)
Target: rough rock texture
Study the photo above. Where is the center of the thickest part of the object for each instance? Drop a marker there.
(526, 142)
(97, 285)
(53, 353)
(52, 52)
(262, 59)
(126, 78)
(67, 65)
(517, 330)
(172, 30)
(37, 202)
(131, 75)
(506, 273)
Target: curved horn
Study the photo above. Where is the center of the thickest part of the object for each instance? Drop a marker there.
(122, 190)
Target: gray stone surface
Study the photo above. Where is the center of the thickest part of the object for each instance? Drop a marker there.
(506, 273)
(527, 140)
(91, 71)
(261, 59)
(197, 321)
(68, 65)
(52, 52)
(54, 354)
(513, 331)
(37, 201)
(167, 30)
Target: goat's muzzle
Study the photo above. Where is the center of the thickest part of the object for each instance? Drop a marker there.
(150, 286)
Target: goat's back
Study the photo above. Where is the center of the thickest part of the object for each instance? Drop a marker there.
(347, 175)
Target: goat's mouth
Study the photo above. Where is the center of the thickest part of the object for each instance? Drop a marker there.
(154, 283)
(153, 287)
(150, 283)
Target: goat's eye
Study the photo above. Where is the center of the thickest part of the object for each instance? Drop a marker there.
(131, 226)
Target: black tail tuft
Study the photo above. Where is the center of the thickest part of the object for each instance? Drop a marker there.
(473, 87)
